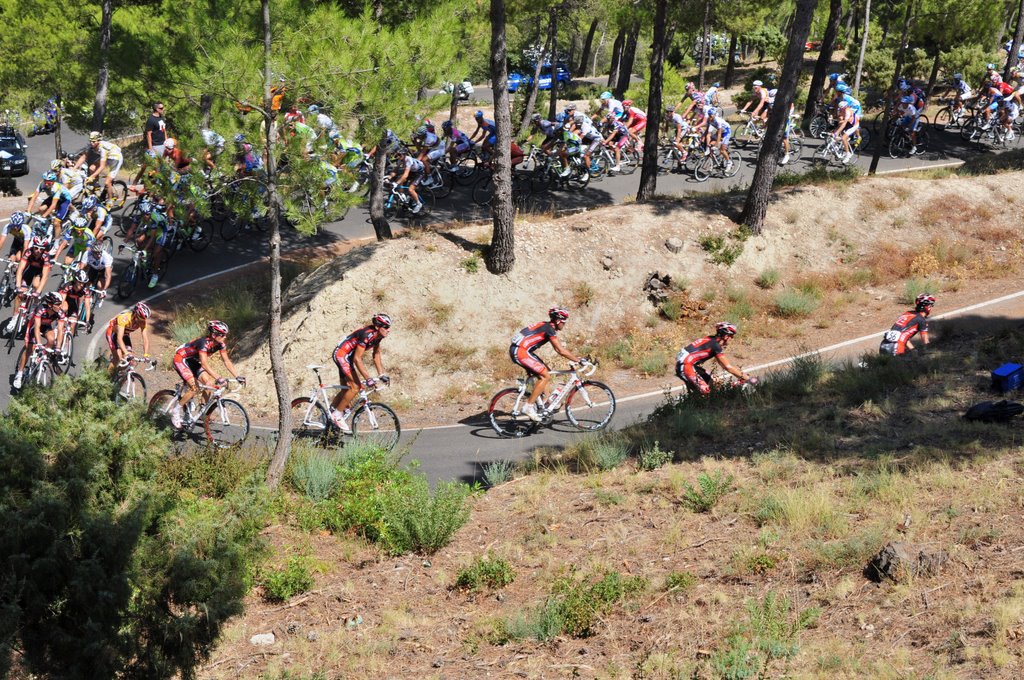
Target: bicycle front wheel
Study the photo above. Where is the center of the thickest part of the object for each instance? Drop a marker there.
(131, 389)
(483, 191)
(226, 424)
(702, 170)
(898, 146)
(309, 419)
(126, 282)
(590, 406)
(66, 348)
(42, 375)
(733, 165)
(506, 414)
(118, 196)
(376, 424)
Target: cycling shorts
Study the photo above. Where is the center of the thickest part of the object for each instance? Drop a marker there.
(909, 122)
(344, 363)
(527, 360)
(30, 331)
(30, 274)
(96, 276)
(73, 305)
(726, 133)
(111, 337)
(62, 209)
(621, 141)
(189, 368)
(435, 155)
(697, 380)
(638, 125)
(114, 166)
(850, 131)
(463, 147)
(492, 140)
(165, 237)
(889, 348)
(592, 143)
(414, 178)
(17, 244)
(572, 149)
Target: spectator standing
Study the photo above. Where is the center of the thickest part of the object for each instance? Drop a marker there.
(156, 130)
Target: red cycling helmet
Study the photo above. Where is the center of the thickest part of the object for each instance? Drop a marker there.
(558, 314)
(726, 329)
(626, 103)
(924, 301)
(382, 321)
(217, 327)
(142, 310)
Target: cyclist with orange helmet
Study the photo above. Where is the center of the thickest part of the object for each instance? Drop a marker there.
(119, 333)
(192, 363)
(690, 358)
(896, 340)
(348, 356)
(523, 350)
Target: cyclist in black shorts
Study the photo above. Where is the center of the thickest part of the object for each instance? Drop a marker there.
(76, 298)
(17, 228)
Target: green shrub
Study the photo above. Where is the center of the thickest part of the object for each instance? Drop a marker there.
(582, 603)
(213, 472)
(671, 309)
(679, 581)
(793, 304)
(605, 497)
(471, 264)
(419, 521)
(770, 633)
(768, 278)
(485, 572)
(801, 377)
(601, 452)
(818, 175)
(760, 563)
(294, 578)
(710, 489)
(498, 472)
(312, 472)
(366, 476)
(914, 287)
(711, 243)
(653, 457)
(654, 363)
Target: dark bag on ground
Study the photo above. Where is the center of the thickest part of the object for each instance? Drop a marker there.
(994, 411)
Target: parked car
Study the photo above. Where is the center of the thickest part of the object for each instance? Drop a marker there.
(465, 89)
(13, 153)
(517, 80)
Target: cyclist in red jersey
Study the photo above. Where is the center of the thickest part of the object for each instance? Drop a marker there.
(192, 362)
(690, 358)
(46, 328)
(523, 350)
(896, 340)
(348, 355)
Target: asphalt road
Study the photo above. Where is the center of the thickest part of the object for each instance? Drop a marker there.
(457, 450)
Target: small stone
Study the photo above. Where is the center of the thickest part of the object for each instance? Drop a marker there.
(499, 597)
(607, 262)
(262, 639)
(438, 663)
(312, 636)
(426, 563)
(293, 627)
(674, 244)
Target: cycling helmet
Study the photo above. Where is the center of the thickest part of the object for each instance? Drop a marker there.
(610, 117)
(17, 218)
(904, 86)
(79, 223)
(81, 276)
(535, 118)
(446, 126)
(924, 301)
(843, 104)
(690, 86)
(670, 109)
(716, 84)
(95, 136)
(169, 143)
(97, 246)
(430, 126)
(843, 87)
(758, 83)
(141, 310)
(218, 327)
(725, 329)
(41, 241)
(834, 77)
(958, 77)
(313, 108)
(991, 67)
(381, 321)
(606, 95)
(710, 111)
(478, 115)
(239, 138)
(56, 165)
(626, 103)
(558, 314)
(421, 131)
(145, 206)
(570, 108)
(907, 100)
(53, 298)
(89, 203)
(579, 118)
(50, 177)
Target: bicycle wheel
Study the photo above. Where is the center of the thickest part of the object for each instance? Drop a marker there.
(944, 118)
(132, 389)
(579, 177)
(483, 191)
(731, 169)
(226, 424)
(443, 183)
(865, 141)
(744, 135)
(506, 414)
(202, 236)
(127, 281)
(159, 409)
(42, 375)
(309, 419)
(922, 140)
(118, 196)
(465, 172)
(376, 424)
(67, 346)
(898, 145)
(666, 159)
(796, 147)
(230, 227)
(818, 127)
(702, 170)
(599, 166)
(590, 406)
(540, 179)
(631, 160)
(971, 130)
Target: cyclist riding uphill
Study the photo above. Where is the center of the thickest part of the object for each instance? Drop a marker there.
(46, 328)
(348, 356)
(486, 133)
(690, 358)
(412, 171)
(192, 362)
(119, 334)
(523, 350)
(896, 340)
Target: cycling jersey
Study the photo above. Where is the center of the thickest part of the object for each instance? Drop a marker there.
(910, 323)
(37, 258)
(615, 107)
(367, 337)
(109, 151)
(961, 88)
(22, 233)
(677, 121)
(619, 128)
(549, 129)
(73, 297)
(413, 165)
(526, 342)
(851, 102)
(637, 119)
(488, 125)
(102, 220)
(125, 320)
(771, 96)
(721, 124)
(48, 319)
(195, 347)
(690, 359)
(55, 190)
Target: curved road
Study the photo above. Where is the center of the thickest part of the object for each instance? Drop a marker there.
(455, 451)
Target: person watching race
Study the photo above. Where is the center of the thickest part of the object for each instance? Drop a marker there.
(46, 328)
(192, 363)
(119, 334)
(348, 356)
(689, 361)
(110, 160)
(411, 171)
(523, 352)
(896, 340)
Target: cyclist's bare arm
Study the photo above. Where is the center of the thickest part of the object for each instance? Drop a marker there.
(724, 363)
(228, 364)
(43, 278)
(557, 346)
(377, 362)
(61, 330)
(38, 332)
(357, 362)
(145, 338)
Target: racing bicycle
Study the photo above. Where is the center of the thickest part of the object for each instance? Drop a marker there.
(224, 421)
(589, 404)
(130, 385)
(372, 421)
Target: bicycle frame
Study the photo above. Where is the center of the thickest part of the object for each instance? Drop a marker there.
(554, 403)
(318, 395)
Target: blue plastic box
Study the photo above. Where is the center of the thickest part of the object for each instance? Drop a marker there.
(1008, 377)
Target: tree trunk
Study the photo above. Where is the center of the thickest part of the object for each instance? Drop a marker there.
(900, 57)
(588, 45)
(863, 48)
(848, 38)
(531, 92)
(613, 70)
(730, 66)
(501, 256)
(99, 107)
(649, 170)
(284, 412)
(205, 109)
(553, 92)
(597, 52)
(768, 162)
(828, 44)
(703, 46)
(381, 226)
(936, 63)
(1018, 37)
(628, 57)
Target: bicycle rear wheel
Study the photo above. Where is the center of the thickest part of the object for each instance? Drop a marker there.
(127, 281)
(465, 172)
(160, 406)
(483, 191)
(132, 389)
(898, 145)
(506, 414)
(230, 227)
(310, 421)
(66, 348)
(590, 406)
(376, 424)
(202, 236)
(226, 424)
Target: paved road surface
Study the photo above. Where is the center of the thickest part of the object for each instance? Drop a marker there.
(455, 451)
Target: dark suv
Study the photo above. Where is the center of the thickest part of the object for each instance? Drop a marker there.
(13, 155)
